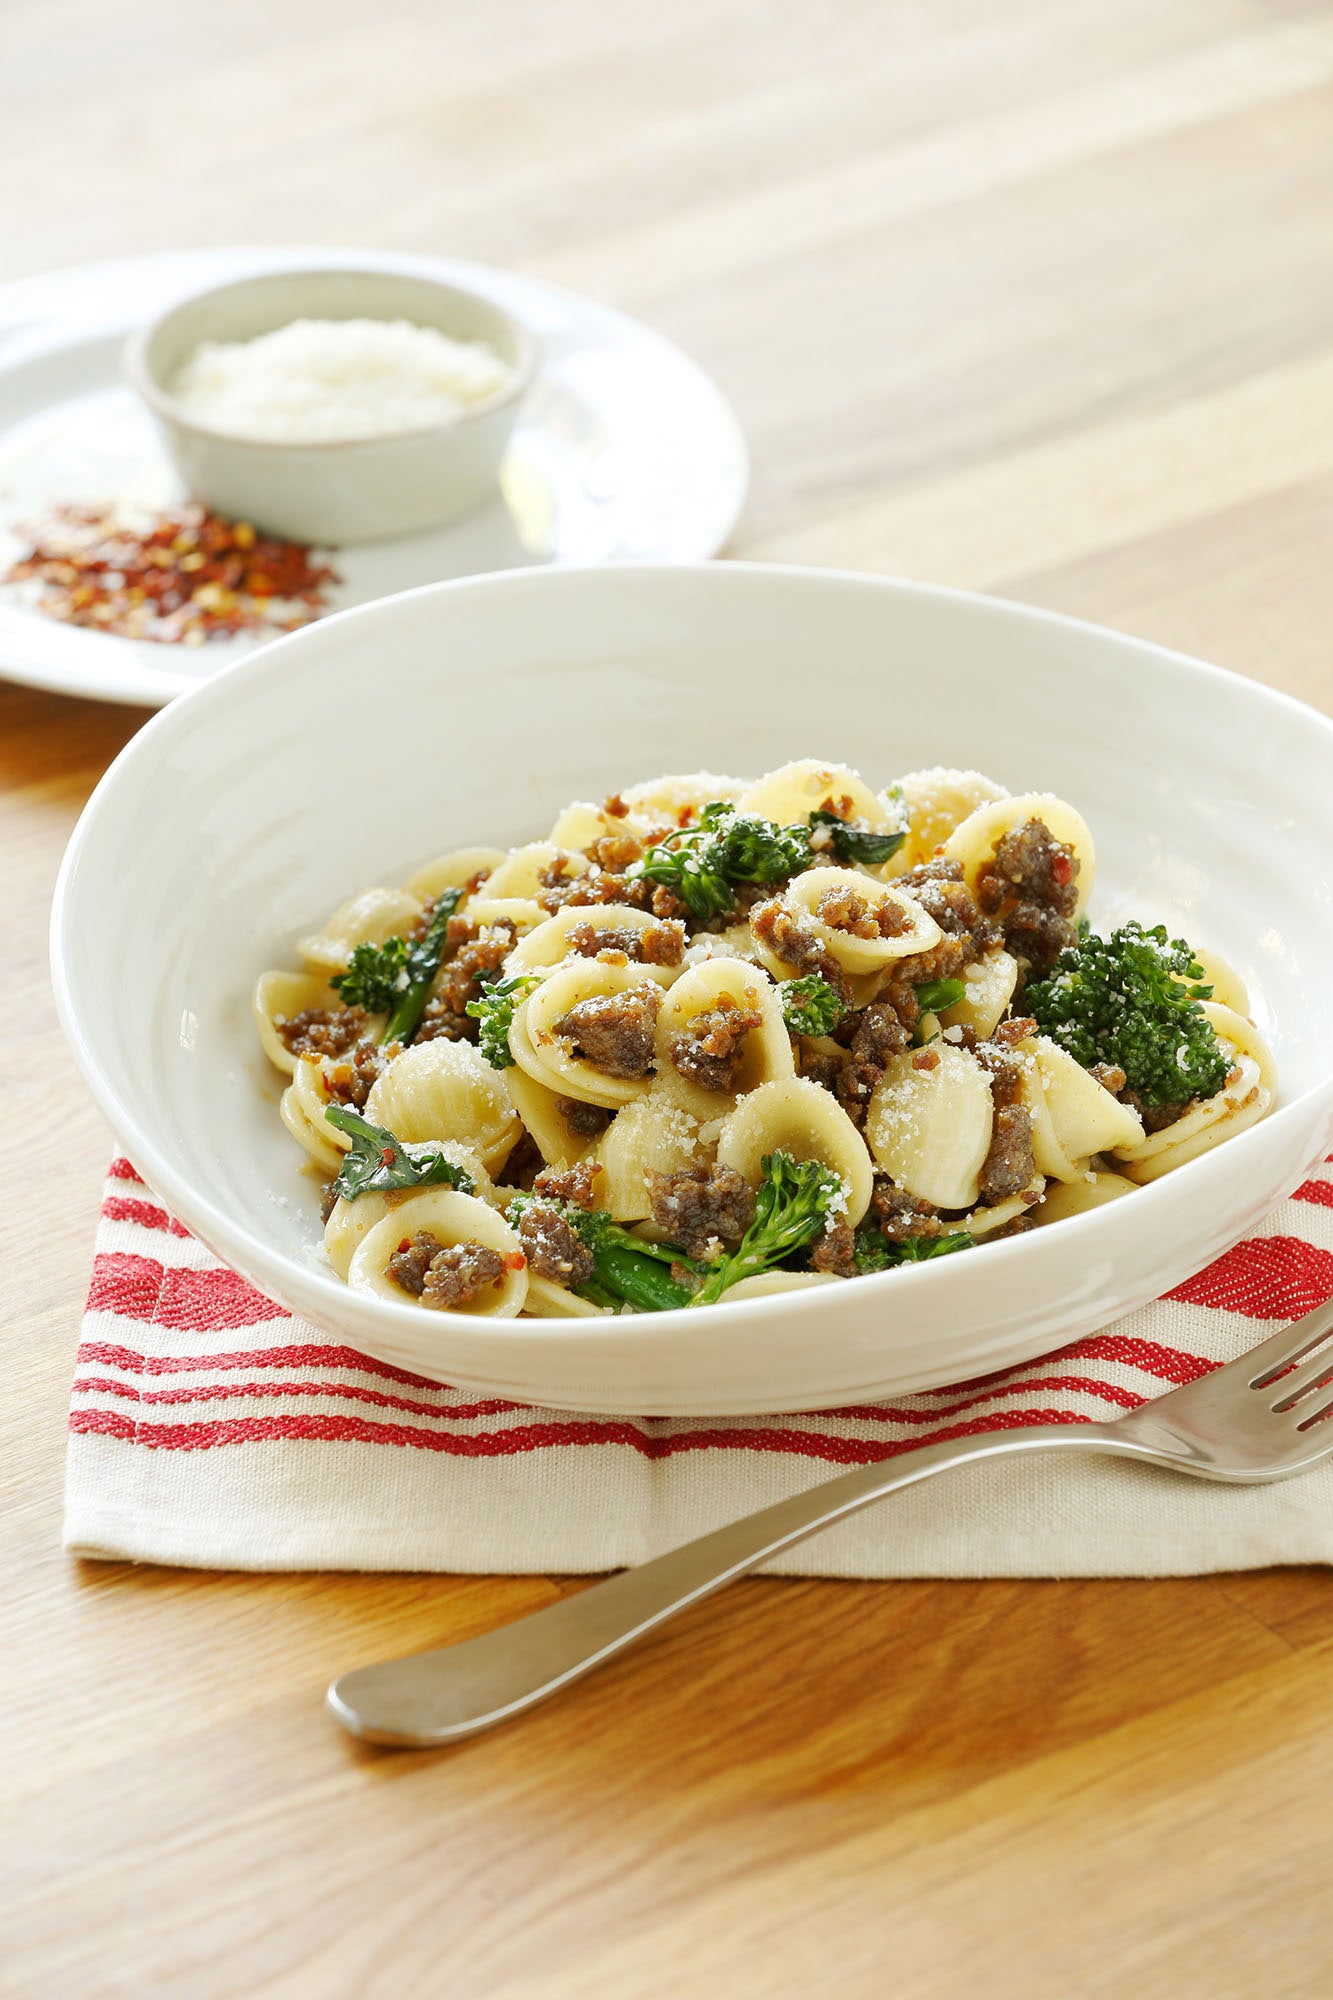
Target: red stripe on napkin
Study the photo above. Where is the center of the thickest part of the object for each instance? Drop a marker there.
(582, 1431)
(173, 1385)
(1269, 1277)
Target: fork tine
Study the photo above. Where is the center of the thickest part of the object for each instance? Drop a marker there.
(1263, 1364)
(1319, 1416)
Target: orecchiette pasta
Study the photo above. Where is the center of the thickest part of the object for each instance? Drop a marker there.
(548, 945)
(974, 841)
(725, 1039)
(552, 1042)
(797, 790)
(445, 1090)
(455, 1223)
(1073, 1116)
(370, 918)
(520, 911)
(520, 874)
(1065, 1198)
(279, 997)
(935, 802)
(930, 1128)
(453, 871)
(796, 1117)
(666, 1132)
(988, 987)
(349, 1221)
(862, 925)
(563, 1128)
(698, 1018)
(674, 798)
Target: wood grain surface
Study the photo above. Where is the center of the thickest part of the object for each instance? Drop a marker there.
(1034, 298)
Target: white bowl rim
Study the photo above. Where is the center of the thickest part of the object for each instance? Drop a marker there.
(237, 1244)
(146, 384)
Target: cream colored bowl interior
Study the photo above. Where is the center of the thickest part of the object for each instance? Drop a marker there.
(471, 712)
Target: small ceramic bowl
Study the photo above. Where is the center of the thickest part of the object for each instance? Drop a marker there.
(348, 489)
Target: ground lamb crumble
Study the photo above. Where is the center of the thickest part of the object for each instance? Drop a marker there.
(1030, 886)
(445, 1277)
(552, 1247)
(846, 909)
(701, 1206)
(654, 944)
(615, 1032)
(473, 952)
(797, 944)
(577, 1183)
(322, 1031)
(710, 1050)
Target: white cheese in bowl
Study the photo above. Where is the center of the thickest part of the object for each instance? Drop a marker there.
(315, 381)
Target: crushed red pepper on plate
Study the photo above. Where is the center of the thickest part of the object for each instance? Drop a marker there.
(184, 576)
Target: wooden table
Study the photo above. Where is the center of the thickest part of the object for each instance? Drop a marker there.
(1035, 298)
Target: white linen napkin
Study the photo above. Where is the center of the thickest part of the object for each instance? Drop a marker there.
(209, 1427)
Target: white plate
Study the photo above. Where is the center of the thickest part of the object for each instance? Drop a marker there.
(625, 451)
(488, 704)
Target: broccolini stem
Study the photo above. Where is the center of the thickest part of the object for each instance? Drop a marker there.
(642, 1281)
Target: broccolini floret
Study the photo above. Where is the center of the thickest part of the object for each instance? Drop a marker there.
(495, 1011)
(372, 975)
(810, 1006)
(424, 957)
(794, 1204)
(1132, 1000)
(875, 1253)
(703, 863)
(395, 977)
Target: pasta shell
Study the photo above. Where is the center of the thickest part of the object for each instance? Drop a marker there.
(446, 1090)
(369, 918)
(452, 871)
(800, 1118)
(973, 843)
(453, 1218)
(930, 1129)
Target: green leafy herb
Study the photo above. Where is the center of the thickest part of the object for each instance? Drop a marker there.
(495, 1011)
(702, 864)
(372, 976)
(378, 1163)
(851, 841)
(1133, 1000)
(937, 994)
(874, 1253)
(793, 1206)
(810, 1006)
(420, 965)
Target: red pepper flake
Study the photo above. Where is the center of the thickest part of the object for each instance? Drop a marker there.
(182, 577)
(516, 1260)
(387, 1156)
(1062, 868)
(406, 1244)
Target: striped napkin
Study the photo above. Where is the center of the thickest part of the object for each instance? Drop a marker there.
(209, 1427)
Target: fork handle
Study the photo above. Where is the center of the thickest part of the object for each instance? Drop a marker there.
(433, 1698)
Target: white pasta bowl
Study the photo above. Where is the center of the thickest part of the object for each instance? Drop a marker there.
(471, 712)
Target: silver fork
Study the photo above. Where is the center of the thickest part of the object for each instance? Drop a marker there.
(1255, 1420)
